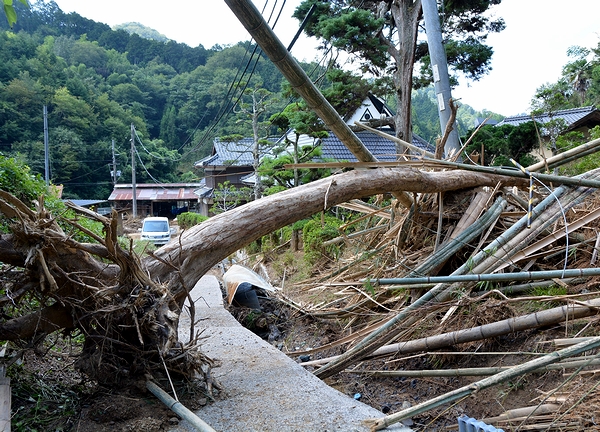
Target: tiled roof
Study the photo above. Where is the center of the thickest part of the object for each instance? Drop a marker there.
(230, 153)
(573, 117)
(383, 149)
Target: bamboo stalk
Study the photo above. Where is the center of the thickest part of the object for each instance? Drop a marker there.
(178, 408)
(384, 422)
(494, 277)
(515, 289)
(521, 413)
(595, 144)
(476, 207)
(484, 371)
(565, 342)
(354, 235)
(441, 164)
(495, 329)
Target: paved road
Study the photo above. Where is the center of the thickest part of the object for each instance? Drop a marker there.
(265, 390)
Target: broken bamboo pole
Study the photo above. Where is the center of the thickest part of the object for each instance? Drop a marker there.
(495, 329)
(441, 164)
(513, 172)
(384, 422)
(179, 409)
(493, 277)
(483, 371)
(586, 149)
(518, 414)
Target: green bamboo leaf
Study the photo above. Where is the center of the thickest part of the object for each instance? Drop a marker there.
(10, 13)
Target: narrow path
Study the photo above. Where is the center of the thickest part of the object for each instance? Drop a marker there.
(265, 390)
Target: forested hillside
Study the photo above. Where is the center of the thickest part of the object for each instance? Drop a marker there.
(96, 82)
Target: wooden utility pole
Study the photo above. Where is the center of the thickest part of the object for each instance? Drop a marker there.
(264, 36)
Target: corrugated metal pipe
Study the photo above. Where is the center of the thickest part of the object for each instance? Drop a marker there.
(468, 424)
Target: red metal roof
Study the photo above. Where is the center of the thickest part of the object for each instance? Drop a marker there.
(164, 192)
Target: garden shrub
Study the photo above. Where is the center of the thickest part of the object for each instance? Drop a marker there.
(317, 231)
(187, 220)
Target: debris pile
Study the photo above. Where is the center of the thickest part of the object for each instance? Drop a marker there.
(449, 276)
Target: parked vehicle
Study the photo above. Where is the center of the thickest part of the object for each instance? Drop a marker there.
(156, 230)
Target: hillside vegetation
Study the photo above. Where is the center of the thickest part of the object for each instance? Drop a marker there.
(97, 82)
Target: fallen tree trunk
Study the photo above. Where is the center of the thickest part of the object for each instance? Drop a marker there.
(206, 244)
(128, 310)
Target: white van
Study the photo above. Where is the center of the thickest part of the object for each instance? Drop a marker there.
(156, 230)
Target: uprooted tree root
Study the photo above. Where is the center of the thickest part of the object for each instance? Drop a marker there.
(129, 322)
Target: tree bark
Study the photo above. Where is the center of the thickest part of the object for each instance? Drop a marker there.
(129, 310)
(204, 245)
(406, 14)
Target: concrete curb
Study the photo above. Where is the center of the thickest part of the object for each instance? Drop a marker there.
(265, 390)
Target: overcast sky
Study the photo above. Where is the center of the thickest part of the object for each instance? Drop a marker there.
(529, 53)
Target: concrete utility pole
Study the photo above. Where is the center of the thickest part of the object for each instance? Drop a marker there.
(114, 164)
(439, 64)
(133, 191)
(46, 148)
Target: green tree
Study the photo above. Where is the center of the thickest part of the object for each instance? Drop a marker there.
(252, 108)
(382, 37)
(501, 143)
(226, 197)
(578, 73)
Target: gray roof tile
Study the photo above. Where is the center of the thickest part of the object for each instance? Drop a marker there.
(573, 117)
(383, 149)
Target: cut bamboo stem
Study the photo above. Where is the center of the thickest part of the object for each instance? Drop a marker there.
(595, 144)
(384, 422)
(178, 408)
(495, 329)
(520, 413)
(485, 371)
